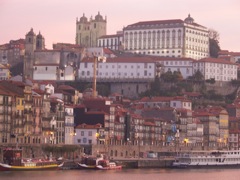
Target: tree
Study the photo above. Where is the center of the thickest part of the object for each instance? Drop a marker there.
(197, 76)
(17, 69)
(167, 76)
(214, 46)
(211, 81)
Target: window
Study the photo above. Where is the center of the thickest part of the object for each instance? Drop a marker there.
(82, 133)
(84, 140)
(145, 73)
(79, 140)
(89, 141)
(46, 68)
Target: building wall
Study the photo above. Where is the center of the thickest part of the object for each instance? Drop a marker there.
(69, 126)
(118, 70)
(178, 64)
(113, 42)
(129, 89)
(46, 72)
(85, 137)
(171, 38)
(219, 71)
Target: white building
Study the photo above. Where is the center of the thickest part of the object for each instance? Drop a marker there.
(169, 38)
(181, 103)
(183, 65)
(119, 68)
(54, 65)
(88, 134)
(113, 42)
(218, 69)
(69, 125)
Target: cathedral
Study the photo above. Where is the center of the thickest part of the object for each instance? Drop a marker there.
(88, 31)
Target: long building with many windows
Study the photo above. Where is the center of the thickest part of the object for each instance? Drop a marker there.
(169, 38)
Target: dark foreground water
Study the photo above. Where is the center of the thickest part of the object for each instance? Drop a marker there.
(125, 174)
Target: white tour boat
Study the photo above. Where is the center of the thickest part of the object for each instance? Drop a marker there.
(208, 159)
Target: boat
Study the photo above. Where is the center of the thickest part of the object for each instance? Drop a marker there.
(97, 163)
(105, 165)
(215, 158)
(13, 161)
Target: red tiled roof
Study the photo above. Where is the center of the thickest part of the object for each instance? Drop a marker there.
(215, 60)
(110, 36)
(171, 21)
(65, 87)
(155, 99)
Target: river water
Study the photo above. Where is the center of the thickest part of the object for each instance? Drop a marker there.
(125, 174)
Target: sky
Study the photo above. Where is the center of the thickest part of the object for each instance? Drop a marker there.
(56, 19)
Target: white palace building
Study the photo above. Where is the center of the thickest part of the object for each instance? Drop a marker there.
(168, 38)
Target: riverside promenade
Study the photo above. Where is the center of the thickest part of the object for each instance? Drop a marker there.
(164, 162)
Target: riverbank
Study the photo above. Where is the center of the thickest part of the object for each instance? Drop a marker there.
(130, 163)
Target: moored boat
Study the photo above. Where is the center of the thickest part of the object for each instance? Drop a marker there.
(31, 166)
(13, 161)
(215, 158)
(108, 166)
(98, 163)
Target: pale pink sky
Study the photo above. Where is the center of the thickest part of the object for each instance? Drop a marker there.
(56, 19)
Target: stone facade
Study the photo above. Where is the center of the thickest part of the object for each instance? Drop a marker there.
(88, 31)
(169, 38)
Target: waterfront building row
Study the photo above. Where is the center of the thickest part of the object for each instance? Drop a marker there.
(41, 114)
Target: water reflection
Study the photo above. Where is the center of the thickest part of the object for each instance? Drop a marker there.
(125, 174)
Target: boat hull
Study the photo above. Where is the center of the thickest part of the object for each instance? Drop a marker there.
(6, 167)
(84, 166)
(99, 167)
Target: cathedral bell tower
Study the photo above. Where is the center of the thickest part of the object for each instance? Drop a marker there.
(30, 47)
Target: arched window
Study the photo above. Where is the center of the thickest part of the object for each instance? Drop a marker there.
(163, 39)
(149, 39)
(179, 38)
(153, 39)
(140, 40)
(158, 39)
(173, 38)
(168, 38)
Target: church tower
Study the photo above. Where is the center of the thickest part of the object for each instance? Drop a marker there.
(88, 32)
(40, 44)
(30, 47)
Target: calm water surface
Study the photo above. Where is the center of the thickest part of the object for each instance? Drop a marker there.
(125, 174)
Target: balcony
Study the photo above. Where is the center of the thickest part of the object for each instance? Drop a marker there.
(69, 124)
(28, 122)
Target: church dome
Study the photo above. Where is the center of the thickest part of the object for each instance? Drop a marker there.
(31, 33)
(98, 17)
(189, 19)
(39, 36)
(83, 19)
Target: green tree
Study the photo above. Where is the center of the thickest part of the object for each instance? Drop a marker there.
(211, 81)
(167, 76)
(17, 69)
(214, 46)
(197, 76)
